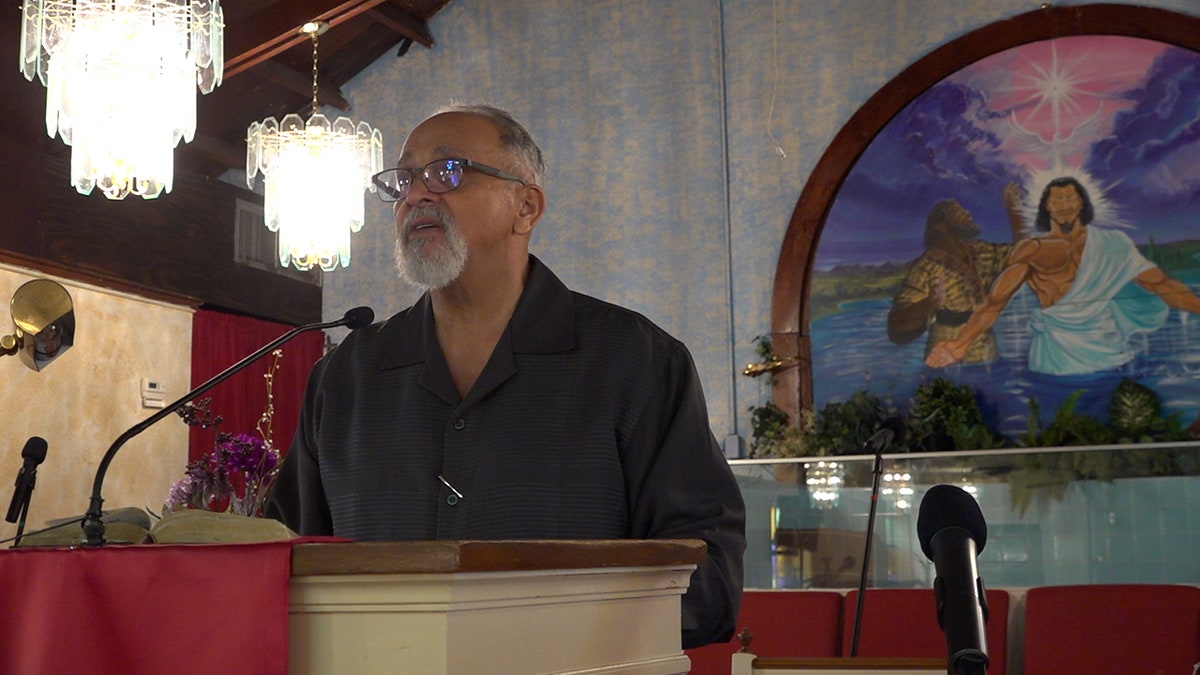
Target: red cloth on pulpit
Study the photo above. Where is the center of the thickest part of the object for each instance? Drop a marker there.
(158, 608)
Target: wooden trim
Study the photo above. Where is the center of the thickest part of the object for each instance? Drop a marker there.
(847, 663)
(99, 280)
(288, 27)
(412, 557)
(793, 273)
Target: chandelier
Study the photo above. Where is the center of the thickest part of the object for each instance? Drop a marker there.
(824, 481)
(898, 488)
(121, 78)
(314, 174)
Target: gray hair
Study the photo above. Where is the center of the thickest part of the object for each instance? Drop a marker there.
(514, 136)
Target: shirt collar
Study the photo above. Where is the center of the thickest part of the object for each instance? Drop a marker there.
(542, 323)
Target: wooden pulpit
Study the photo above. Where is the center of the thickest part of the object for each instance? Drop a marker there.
(489, 606)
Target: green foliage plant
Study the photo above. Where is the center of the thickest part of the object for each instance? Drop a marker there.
(946, 414)
(842, 428)
(1135, 416)
(768, 423)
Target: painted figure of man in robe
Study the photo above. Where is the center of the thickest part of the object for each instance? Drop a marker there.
(950, 279)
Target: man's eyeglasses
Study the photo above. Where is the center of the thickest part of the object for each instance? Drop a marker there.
(440, 175)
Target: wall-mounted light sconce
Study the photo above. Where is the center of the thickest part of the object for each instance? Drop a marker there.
(45, 321)
(772, 365)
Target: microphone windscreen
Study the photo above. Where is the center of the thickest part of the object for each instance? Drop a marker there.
(897, 426)
(35, 449)
(359, 317)
(949, 506)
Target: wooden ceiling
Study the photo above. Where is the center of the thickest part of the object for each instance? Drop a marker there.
(268, 65)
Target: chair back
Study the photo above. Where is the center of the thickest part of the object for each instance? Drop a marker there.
(781, 623)
(903, 622)
(1112, 628)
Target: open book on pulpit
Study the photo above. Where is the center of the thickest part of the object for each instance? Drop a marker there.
(132, 525)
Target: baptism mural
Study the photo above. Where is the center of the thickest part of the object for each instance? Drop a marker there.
(1028, 227)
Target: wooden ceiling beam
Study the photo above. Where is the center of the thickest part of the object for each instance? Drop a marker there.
(280, 24)
(290, 78)
(403, 23)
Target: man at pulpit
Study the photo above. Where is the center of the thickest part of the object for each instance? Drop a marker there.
(503, 405)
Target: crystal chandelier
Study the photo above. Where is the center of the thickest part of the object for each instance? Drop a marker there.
(824, 480)
(121, 78)
(897, 488)
(314, 175)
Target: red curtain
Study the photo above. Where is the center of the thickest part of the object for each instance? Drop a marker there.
(220, 340)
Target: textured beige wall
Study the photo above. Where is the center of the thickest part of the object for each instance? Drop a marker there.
(88, 397)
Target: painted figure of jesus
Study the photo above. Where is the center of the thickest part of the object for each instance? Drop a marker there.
(1088, 282)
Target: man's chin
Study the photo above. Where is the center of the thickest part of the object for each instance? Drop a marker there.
(426, 274)
(429, 264)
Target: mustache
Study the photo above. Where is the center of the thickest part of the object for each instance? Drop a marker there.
(1065, 225)
(425, 212)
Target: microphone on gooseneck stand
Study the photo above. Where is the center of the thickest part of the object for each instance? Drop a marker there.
(891, 430)
(34, 453)
(952, 533)
(93, 523)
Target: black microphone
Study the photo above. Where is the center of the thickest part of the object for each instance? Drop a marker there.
(952, 533)
(359, 317)
(890, 431)
(34, 453)
(93, 523)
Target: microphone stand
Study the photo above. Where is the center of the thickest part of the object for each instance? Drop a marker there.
(70, 521)
(862, 583)
(93, 523)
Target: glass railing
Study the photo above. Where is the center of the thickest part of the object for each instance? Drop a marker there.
(1097, 514)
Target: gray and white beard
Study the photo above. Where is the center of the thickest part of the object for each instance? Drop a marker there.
(425, 264)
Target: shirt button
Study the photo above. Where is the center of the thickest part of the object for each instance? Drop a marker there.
(459, 424)
(452, 500)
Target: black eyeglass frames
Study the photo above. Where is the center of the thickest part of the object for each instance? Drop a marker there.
(439, 176)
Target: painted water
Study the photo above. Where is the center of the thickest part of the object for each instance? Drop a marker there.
(851, 352)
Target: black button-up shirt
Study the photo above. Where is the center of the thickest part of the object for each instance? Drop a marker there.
(588, 422)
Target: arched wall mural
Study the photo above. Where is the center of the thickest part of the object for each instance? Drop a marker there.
(1107, 95)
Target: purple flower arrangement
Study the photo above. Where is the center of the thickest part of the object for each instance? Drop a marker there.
(237, 475)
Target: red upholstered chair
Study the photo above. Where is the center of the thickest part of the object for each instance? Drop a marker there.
(783, 623)
(1112, 628)
(903, 622)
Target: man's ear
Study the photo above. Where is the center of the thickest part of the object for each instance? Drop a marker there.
(530, 208)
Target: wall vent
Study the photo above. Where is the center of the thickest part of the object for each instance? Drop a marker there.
(256, 246)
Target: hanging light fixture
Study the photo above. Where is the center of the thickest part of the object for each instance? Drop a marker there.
(897, 488)
(825, 481)
(314, 175)
(121, 78)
